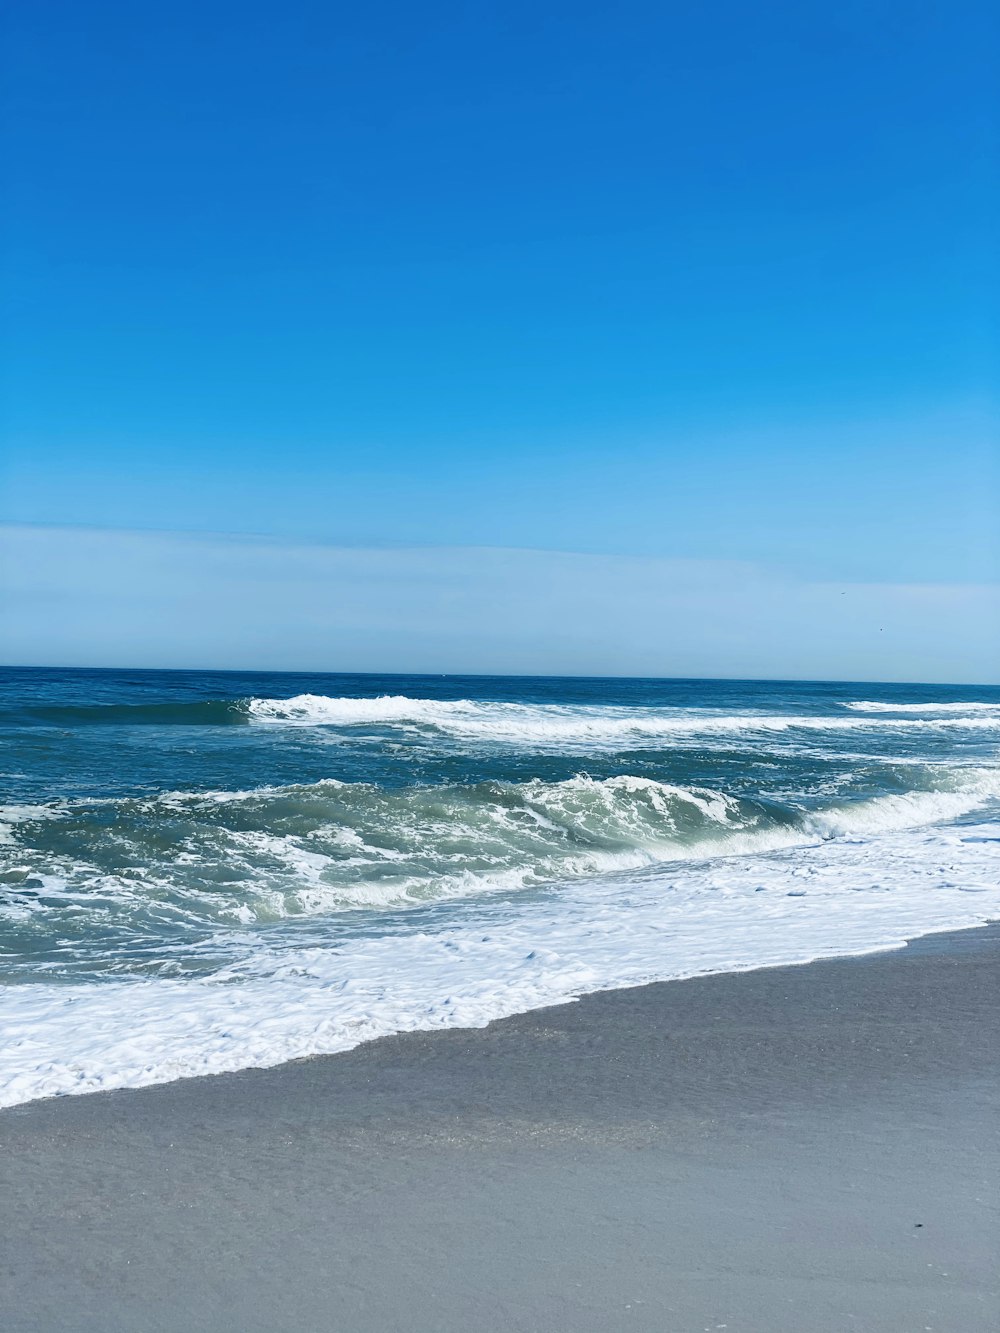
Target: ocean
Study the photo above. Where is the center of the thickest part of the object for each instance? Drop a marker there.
(208, 871)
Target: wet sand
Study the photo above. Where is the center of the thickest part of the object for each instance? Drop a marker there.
(797, 1150)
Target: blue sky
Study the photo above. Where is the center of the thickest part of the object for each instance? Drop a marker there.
(641, 282)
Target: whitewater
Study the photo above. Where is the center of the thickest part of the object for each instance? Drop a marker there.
(203, 872)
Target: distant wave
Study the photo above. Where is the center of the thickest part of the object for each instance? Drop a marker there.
(882, 706)
(548, 724)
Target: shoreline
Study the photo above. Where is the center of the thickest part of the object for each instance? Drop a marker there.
(837, 899)
(810, 1146)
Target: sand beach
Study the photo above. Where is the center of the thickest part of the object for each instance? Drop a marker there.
(804, 1148)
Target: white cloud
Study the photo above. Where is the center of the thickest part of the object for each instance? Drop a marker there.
(79, 596)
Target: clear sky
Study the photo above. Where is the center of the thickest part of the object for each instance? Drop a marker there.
(693, 286)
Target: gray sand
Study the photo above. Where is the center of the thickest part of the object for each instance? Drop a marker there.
(787, 1151)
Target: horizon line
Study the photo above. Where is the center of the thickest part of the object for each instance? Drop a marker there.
(507, 675)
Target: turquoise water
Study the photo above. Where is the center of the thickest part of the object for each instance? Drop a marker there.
(188, 826)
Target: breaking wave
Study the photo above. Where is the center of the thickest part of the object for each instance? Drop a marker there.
(556, 724)
(90, 872)
(512, 724)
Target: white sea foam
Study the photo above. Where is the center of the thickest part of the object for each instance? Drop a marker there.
(276, 1003)
(589, 725)
(880, 706)
(12, 815)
